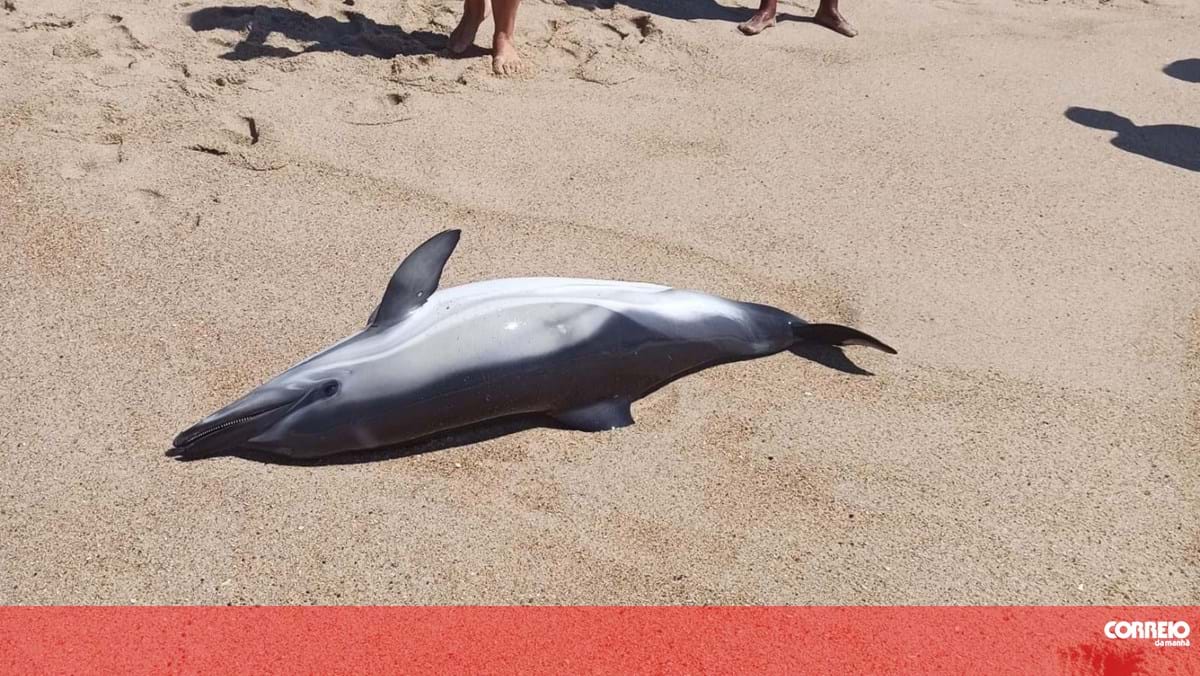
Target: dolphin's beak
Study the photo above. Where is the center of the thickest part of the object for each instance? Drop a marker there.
(236, 423)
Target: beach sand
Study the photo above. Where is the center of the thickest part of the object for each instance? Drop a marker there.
(188, 206)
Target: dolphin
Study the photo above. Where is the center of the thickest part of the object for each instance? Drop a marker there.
(578, 350)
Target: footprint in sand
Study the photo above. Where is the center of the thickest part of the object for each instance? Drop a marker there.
(374, 110)
(431, 73)
(608, 51)
(235, 130)
(48, 22)
(75, 171)
(237, 139)
(181, 213)
(106, 44)
(75, 49)
(89, 157)
(96, 35)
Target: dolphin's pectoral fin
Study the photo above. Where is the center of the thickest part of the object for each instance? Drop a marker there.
(602, 415)
(415, 280)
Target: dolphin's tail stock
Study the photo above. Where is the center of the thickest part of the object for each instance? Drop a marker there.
(837, 335)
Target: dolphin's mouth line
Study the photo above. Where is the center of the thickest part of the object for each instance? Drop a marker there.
(205, 433)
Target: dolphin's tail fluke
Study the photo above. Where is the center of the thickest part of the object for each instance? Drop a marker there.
(836, 334)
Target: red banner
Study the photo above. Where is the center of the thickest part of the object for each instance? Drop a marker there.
(1116, 641)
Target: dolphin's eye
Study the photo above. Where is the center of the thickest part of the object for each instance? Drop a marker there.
(331, 389)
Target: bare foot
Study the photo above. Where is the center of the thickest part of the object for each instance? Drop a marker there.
(834, 21)
(758, 23)
(463, 35)
(505, 60)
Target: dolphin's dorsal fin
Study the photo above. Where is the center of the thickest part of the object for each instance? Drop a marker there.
(415, 280)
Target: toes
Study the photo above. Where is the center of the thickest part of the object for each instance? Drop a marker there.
(506, 66)
(755, 25)
(836, 24)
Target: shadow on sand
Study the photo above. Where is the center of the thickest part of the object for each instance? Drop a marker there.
(831, 357)
(688, 10)
(1174, 144)
(357, 36)
(1187, 70)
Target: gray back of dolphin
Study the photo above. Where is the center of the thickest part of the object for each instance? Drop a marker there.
(428, 361)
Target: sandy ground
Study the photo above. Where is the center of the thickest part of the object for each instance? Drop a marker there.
(1036, 440)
